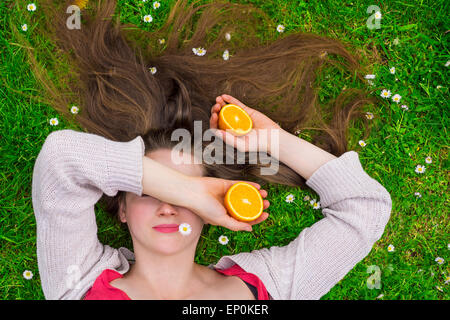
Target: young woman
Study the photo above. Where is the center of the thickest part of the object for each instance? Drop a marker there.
(124, 160)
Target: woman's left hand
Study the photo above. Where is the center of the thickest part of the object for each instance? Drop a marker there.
(207, 201)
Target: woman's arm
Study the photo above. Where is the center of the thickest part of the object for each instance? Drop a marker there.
(72, 171)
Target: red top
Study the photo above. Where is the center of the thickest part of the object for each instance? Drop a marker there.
(102, 290)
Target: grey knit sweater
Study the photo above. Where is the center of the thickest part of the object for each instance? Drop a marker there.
(73, 170)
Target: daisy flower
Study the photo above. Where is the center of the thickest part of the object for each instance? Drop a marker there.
(439, 260)
(369, 115)
(447, 279)
(194, 50)
(396, 41)
(54, 121)
(201, 51)
(378, 15)
(362, 143)
(148, 18)
(392, 70)
(396, 98)
(380, 296)
(31, 7)
(27, 274)
(306, 198)
(290, 198)
(226, 55)
(439, 288)
(428, 160)
(74, 109)
(370, 82)
(316, 205)
(385, 93)
(152, 70)
(156, 5)
(24, 27)
(223, 240)
(185, 229)
(405, 107)
(228, 36)
(369, 76)
(417, 194)
(447, 63)
(420, 169)
(280, 28)
(391, 248)
(448, 246)
(162, 41)
(312, 201)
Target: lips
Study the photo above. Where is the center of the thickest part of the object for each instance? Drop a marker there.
(166, 228)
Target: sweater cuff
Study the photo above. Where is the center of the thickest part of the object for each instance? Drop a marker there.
(124, 165)
(343, 178)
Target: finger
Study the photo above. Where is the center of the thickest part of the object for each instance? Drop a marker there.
(236, 225)
(263, 193)
(213, 121)
(266, 204)
(261, 218)
(235, 101)
(220, 101)
(215, 108)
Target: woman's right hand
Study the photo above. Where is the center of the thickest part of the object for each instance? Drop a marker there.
(258, 139)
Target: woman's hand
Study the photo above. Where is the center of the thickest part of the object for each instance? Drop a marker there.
(256, 139)
(206, 199)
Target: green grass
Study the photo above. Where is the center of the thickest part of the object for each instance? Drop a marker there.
(400, 140)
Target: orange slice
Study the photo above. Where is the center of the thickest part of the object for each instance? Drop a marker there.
(244, 202)
(234, 118)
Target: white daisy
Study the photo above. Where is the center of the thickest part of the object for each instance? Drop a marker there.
(74, 109)
(378, 15)
(185, 229)
(448, 246)
(316, 205)
(438, 87)
(385, 93)
(362, 143)
(417, 194)
(194, 50)
(369, 76)
(280, 28)
(31, 7)
(392, 70)
(290, 198)
(380, 296)
(152, 70)
(439, 288)
(201, 51)
(428, 160)
(370, 82)
(148, 18)
(420, 169)
(447, 63)
(306, 198)
(25, 27)
(313, 201)
(447, 279)
(439, 260)
(162, 41)
(391, 248)
(405, 107)
(396, 41)
(396, 98)
(27, 274)
(156, 5)
(369, 115)
(226, 55)
(228, 36)
(223, 239)
(54, 121)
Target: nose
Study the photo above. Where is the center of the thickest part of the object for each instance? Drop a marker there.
(166, 209)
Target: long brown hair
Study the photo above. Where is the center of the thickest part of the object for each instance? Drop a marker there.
(119, 98)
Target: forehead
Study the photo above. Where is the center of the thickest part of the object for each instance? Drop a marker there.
(180, 161)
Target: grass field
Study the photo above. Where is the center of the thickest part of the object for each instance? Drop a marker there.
(413, 37)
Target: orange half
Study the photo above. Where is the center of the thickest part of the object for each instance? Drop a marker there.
(234, 118)
(244, 202)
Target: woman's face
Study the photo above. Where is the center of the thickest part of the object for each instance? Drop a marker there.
(145, 212)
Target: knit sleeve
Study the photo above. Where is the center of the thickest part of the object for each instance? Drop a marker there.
(356, 209)
(72, 171)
